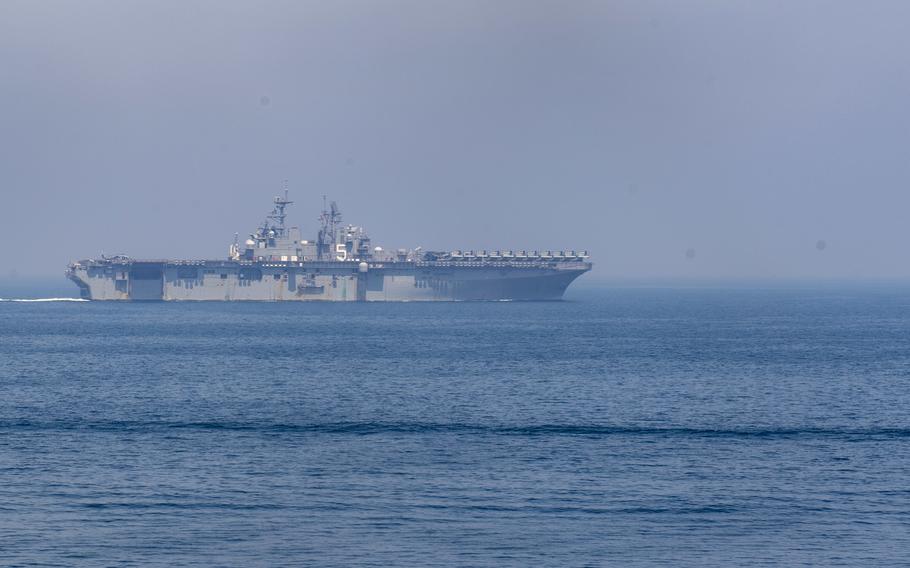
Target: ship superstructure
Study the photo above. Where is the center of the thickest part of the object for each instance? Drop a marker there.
(276, 263)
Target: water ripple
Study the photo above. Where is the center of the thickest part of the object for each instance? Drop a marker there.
(417, 428)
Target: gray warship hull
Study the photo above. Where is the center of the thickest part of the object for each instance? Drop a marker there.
(322, 281)
(277, 264)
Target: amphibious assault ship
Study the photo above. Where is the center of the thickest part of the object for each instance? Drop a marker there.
(276, 263)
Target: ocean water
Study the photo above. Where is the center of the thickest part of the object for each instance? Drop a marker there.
(624, 426)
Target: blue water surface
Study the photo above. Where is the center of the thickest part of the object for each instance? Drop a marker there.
(624, 426)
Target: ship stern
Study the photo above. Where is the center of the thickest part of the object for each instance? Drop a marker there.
(76, 272)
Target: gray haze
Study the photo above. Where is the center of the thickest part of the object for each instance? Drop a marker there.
(671, 139)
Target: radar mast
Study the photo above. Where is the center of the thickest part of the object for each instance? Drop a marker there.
(329, 221)
(278, 215)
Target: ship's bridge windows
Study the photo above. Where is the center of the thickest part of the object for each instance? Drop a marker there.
(223, 276)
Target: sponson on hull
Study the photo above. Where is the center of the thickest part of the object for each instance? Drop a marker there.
(340, 264)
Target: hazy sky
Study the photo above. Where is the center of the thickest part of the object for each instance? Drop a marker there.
(680, 139)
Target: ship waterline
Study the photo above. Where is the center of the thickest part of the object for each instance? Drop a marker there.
(276, 264)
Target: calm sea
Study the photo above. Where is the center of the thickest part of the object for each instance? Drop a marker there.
(623, 426)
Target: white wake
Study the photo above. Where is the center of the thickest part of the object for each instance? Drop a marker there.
(42, 300)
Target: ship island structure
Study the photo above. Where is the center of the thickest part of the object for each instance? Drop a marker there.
(276, 264)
